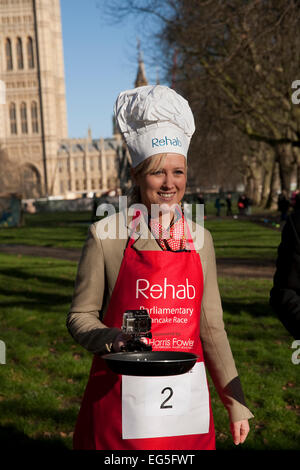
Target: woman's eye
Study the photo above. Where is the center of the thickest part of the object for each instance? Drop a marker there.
(160, 172)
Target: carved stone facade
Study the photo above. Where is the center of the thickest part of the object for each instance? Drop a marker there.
(33, 121)
(88, 165)
(31, 65)
(33, 126)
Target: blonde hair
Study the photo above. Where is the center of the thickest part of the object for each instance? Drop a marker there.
(154, 163)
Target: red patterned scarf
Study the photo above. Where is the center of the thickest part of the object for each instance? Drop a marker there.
(171, 238)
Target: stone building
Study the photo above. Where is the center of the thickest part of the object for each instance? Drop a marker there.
(32, 67)
(33, 121)
(96, 165)
(89, 165)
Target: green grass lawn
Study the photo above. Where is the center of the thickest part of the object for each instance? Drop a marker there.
(262, 351)
(60, 229)
(243, 239)
(232, 238)
(45, 373)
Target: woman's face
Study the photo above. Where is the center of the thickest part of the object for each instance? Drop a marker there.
(164, 186)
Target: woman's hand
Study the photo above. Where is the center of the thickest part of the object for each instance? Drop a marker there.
(120, 342)
(239, 431)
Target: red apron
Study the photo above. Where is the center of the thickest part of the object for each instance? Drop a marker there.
(148, 413)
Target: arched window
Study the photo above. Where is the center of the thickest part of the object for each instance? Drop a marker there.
(30, 184)
(13, 118)
(8, 52)
(30, 55)
(34, 117)
(24, 125)
(20, 54)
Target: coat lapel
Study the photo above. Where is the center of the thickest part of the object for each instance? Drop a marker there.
(144, 239)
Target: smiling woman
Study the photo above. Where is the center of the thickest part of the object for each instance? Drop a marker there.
(167, 274)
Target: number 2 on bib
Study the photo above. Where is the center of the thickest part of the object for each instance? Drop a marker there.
(164, 405)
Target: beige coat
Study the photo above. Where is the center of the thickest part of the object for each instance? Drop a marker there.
(96, 276)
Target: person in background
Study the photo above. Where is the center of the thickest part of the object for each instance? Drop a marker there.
(283, 205)
(248, 205)
(293, 197)
(242, 204)
(201, 200)
(218, 206)
(285, 293)
(228, 203)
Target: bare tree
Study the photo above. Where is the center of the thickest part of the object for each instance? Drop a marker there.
(235, 62)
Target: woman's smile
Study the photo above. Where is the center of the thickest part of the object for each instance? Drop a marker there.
(166, 196)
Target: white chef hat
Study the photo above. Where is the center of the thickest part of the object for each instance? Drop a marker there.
(154, 119)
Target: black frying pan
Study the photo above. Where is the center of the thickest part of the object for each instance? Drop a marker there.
(150, 363)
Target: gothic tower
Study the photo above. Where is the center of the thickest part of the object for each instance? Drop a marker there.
(141, 79)
(34, 115)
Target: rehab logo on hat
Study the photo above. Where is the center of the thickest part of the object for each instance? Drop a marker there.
(165, 142)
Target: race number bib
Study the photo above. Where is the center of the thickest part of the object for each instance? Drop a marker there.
(165, 406)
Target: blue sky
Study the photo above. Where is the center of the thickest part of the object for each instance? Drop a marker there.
(100, 61)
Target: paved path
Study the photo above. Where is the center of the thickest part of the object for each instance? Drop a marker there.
(71, 254)
(231, 267)
(245, 268)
